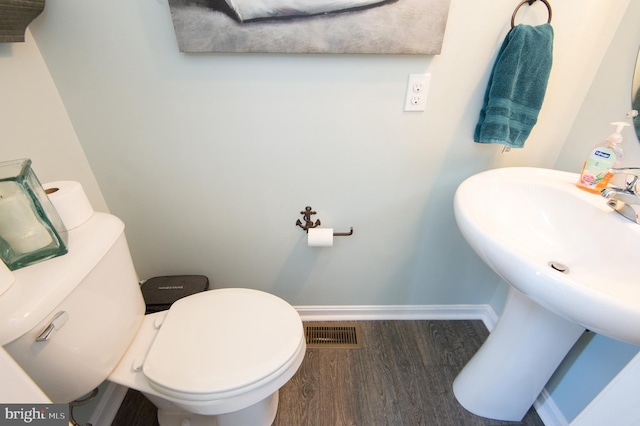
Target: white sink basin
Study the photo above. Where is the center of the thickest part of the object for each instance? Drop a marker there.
(572, 263)
(518, 220)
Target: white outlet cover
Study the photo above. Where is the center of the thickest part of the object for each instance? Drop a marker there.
(417, 89)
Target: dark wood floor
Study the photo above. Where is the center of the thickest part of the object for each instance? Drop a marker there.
(402, 375)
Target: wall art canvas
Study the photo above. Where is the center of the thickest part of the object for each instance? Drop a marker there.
(310, 26)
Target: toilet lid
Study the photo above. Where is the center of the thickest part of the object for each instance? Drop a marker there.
(222, 340)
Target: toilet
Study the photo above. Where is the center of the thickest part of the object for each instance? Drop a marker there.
(214, 358)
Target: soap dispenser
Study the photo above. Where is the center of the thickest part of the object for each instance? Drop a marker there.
(595, 173)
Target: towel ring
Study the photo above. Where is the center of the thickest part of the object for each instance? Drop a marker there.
(530, 2)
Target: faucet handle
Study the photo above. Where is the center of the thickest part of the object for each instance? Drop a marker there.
(633, 171)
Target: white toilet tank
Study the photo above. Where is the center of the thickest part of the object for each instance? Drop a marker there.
(89, 297)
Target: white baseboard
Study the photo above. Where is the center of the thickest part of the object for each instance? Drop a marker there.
(550, 415)
(399, 312)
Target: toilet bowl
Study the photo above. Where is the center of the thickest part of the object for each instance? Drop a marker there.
(222, 352)
(214, 358)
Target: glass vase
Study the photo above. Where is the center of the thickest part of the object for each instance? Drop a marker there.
(30, 228)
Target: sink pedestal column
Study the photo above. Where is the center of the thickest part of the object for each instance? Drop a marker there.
(506, 375)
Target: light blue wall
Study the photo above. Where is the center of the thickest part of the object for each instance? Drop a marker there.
(209, 159)
(587, 369)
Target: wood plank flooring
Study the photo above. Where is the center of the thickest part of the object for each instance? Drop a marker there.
(402, 375)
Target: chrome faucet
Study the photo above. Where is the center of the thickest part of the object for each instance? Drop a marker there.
(620, 199)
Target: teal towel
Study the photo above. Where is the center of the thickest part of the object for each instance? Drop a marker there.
(516, 87)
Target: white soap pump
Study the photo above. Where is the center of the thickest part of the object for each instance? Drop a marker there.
(595, 173)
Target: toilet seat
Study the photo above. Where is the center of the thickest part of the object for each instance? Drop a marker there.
(222, 343)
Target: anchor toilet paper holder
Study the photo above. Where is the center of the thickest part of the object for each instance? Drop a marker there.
(308, 223)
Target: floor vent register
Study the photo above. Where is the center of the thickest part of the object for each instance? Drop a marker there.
(333, 335)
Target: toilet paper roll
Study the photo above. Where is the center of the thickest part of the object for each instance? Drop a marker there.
(70, 201)
(320, 237)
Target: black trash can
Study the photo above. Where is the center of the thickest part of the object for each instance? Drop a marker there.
(160, 292)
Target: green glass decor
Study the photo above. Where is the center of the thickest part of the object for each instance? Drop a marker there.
(30, 228)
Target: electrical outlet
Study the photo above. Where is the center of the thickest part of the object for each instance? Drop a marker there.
(417, 88)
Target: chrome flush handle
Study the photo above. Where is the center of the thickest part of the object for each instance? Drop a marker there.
(57, 322)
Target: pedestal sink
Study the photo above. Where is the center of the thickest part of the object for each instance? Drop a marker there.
(572, 264)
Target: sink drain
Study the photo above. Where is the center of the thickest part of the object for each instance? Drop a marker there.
(559, 267)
